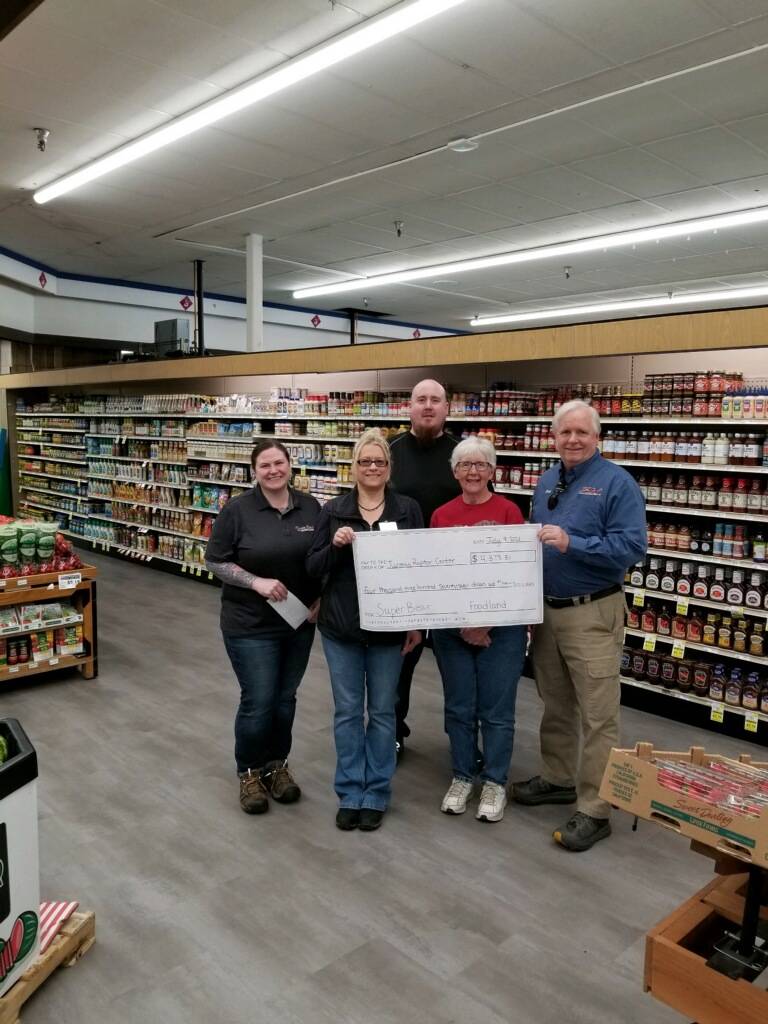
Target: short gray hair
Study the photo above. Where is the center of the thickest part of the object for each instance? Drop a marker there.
(576, 405)
(473, 446)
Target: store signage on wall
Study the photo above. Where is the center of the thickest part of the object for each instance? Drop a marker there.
(42, 279)
(417, 333)
(185, 303)
(315, 321)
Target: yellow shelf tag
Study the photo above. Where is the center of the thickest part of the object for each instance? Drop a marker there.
(678, 649)
(639, 599)
(681, 608)
(750, 721)
(649, 644)
(717, 713)
(736, 611)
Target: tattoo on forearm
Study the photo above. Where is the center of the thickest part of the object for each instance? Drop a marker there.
(229, 572)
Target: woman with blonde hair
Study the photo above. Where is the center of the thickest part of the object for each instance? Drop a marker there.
(364, 666)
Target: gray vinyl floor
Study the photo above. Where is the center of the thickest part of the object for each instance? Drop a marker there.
(207, 915)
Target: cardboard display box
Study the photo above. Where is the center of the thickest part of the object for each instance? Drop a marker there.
(630, 783)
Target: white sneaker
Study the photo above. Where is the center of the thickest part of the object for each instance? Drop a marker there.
(456, 799)
(493, 800)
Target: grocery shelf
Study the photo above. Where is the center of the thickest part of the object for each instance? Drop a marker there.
(139, 504)
(134, 480)
(67, 620)
(52, 444)
(692, 698)
(713, 513)
(736, 563)
(219, 483)
(706, 648)
(702, 468)
(54, 508)
(13, 672)
(199, 508)
(146, 527)
(700, 602)
(50, 430)
(54, 476)
(57, 494)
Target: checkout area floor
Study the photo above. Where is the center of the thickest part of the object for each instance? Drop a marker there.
(207, 916)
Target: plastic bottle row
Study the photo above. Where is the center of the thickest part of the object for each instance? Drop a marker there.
(735, 587)
(189, 550)
(128, 426)
(716, 681)
(697, 448)
(225, 472)
(724, 540)
(738, 633)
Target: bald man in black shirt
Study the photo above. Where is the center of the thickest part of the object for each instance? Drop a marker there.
(421, 468)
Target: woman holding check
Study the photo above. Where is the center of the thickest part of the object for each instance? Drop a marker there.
(361, 663)
(480, 666)
(257, 549)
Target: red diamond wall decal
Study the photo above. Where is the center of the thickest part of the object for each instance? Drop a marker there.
(42, 279)
(315, 321)
(417, 333)
(185, 303)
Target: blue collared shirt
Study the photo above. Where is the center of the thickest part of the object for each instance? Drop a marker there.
(603, 512)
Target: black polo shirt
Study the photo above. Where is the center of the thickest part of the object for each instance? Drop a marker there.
(255, 536)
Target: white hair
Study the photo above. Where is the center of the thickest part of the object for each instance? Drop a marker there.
(576, 405)
(473, 446)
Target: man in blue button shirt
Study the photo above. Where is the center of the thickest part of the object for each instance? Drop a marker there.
(593, 528)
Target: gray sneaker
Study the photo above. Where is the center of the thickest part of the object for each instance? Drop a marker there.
(538, 791)
(280, 783)
(581, 832)
(253, 795)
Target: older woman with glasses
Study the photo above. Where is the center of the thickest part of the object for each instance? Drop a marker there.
(361, 663)
(480, 666)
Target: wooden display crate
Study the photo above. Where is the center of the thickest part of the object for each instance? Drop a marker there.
(676, 952)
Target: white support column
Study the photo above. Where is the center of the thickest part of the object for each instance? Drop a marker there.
(254, 294)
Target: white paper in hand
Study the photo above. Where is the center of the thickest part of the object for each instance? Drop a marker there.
(293, 610)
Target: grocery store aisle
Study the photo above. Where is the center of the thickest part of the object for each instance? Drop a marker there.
(207, 915)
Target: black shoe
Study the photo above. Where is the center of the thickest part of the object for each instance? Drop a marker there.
(581, 832)
(370, 819)
(347, 818)
(538, 791)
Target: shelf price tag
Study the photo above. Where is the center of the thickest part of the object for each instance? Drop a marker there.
(736, 611)
(717, 713)
(639, 599)
(649, 644)
(681, 608)
(69, 580)
(678, 649)
(750, 721)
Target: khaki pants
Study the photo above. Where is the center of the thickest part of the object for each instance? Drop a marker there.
(576, 659)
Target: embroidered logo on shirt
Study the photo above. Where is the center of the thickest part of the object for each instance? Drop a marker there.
(594, 491)
(305, 529)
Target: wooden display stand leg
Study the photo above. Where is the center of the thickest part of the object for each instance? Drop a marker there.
(77, 935)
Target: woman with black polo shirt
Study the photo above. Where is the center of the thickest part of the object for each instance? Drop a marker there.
(258, 549)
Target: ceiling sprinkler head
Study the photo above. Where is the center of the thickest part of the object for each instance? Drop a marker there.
(399, 228)
(42, 137)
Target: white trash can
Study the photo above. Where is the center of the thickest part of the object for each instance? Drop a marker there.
(19, 862)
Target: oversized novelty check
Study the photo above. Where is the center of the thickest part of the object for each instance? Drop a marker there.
(462, 576)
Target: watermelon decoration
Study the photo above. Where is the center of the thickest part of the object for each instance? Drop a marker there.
(19, 943)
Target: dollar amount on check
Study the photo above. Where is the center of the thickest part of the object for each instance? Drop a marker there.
(435, 579)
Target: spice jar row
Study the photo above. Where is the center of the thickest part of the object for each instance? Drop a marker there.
(716, 681)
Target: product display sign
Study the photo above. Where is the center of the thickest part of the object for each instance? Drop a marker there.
(461, 576)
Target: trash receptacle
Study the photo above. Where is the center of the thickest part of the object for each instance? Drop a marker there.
(19, 870)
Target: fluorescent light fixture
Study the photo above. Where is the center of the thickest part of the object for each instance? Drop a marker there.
(375, 30)
(627, 306)
(715, 222)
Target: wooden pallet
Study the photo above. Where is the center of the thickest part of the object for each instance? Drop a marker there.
(77, 935)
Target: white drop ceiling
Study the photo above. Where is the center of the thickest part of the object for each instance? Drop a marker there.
(324, 170)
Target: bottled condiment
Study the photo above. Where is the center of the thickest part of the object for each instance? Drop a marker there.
(701, 674)
(694, 628)
(653, 576)
(733, 688)
(759, 548)
(654, 490)
(709, 630)
(735, 592)
(717, 682)
(638, 664)
(668, 582)
(653, 668)
(753, 592)
(648, 619)
(757, 640)
(709, 493)
(740, 495)
(685, 675)
(671, 532)
(725, 494)
(684, 538)
(740, 636)
(668, 490)
(680, 495)
(694, 491)
(644, 446)
(633, 617)
(717, 586)
(664, 621)
(708, 450)
(678, 626)
(668, 672)
(637, 575)
(684, 583)
(701, 583)
(750, 692)
(725, 633)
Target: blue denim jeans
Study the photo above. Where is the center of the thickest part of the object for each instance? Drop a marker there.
(269, 665)
(480, 686)
(365, 751)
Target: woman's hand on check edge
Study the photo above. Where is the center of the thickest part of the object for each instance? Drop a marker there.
(412, 639)
(270, 590)
(344, 535)
(476, 635)
(314, 611)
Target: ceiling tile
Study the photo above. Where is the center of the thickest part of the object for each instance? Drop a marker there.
(511, 204)
(637, 171)
(568, 188)
(724, 154)
(643, 116)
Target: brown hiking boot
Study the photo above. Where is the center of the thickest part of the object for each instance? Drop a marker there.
(253, 795)
(280, 783)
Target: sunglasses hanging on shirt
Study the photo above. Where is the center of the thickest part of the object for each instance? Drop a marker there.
(560, 487)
